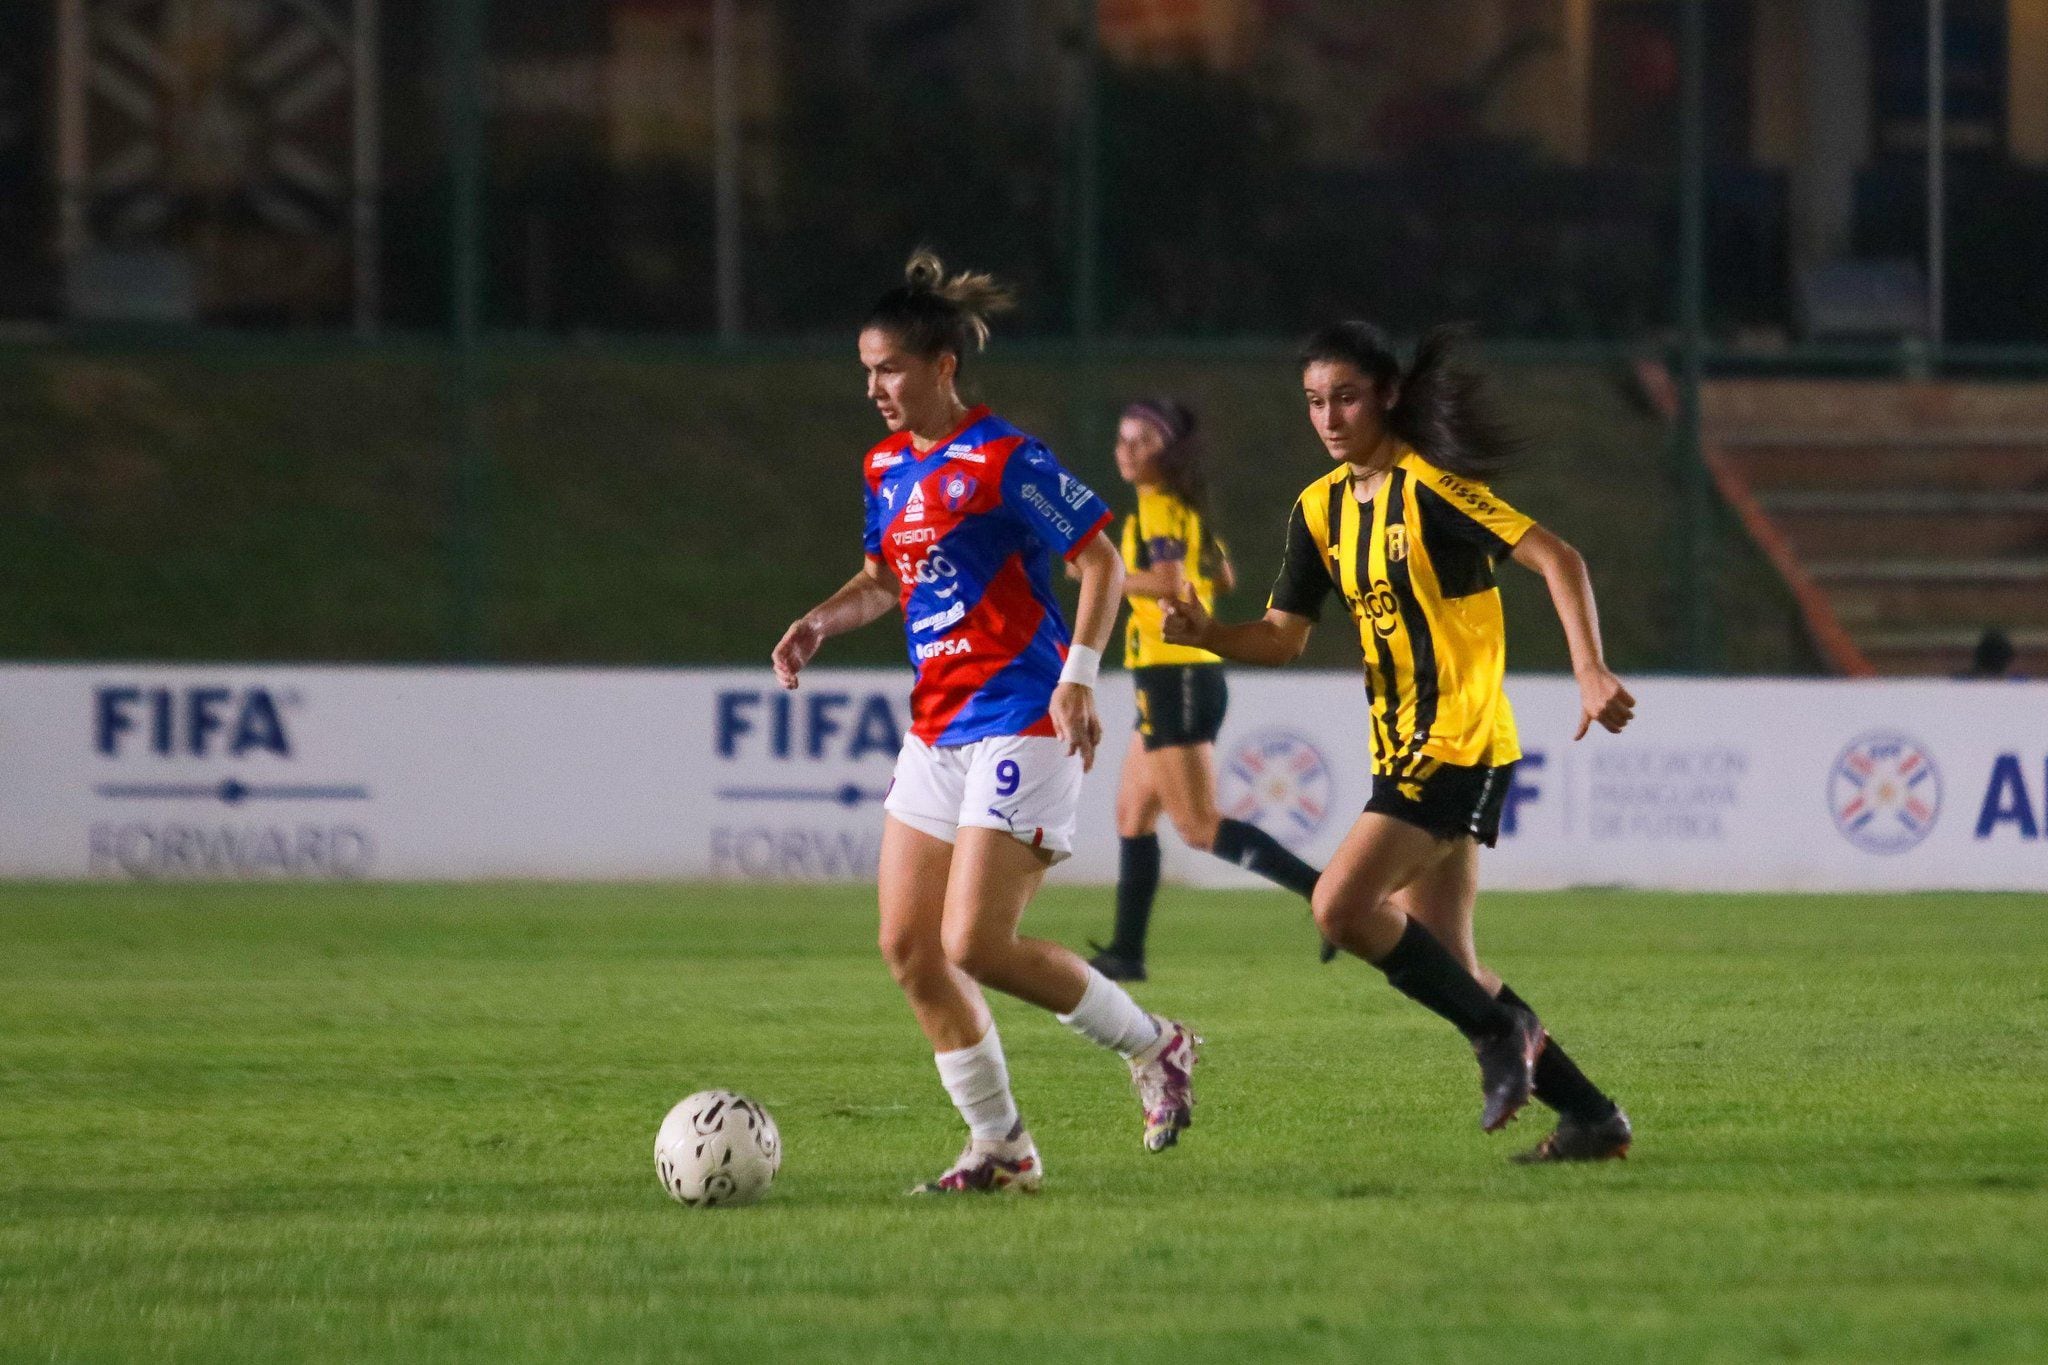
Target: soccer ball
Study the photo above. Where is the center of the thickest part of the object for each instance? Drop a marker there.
(717, 1147)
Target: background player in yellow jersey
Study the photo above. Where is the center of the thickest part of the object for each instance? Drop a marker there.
(1407, 531)
(1169, 548)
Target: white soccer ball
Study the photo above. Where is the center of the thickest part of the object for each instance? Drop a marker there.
(717, 1147)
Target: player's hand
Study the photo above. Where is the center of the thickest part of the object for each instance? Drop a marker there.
(1602, 698)
(798, 646)
(1183, 618)
(1075, 722)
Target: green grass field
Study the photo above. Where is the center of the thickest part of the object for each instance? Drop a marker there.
(259, 1123)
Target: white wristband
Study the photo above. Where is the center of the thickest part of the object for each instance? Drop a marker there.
(1083, 665)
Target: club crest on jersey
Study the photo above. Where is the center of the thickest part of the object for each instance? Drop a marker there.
(1397, 544)
(913, 506)
(958, 490)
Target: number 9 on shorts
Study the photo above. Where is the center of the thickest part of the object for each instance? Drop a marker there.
(1026, 785)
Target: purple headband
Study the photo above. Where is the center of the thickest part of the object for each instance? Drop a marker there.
(1146, 410)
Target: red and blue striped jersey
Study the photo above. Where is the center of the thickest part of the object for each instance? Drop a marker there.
(969, 529)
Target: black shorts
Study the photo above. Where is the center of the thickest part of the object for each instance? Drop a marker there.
(1451, 802)
(1180, 703)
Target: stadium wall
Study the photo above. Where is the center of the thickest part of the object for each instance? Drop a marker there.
(229, 772)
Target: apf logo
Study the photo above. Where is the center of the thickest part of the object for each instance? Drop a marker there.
(191, 722)
(1884, 792)
(1279, 781)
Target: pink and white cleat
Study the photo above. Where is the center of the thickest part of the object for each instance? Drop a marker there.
(991, 1168)
(1164, 1076)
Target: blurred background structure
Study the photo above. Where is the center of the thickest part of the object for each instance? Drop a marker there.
(499, 329)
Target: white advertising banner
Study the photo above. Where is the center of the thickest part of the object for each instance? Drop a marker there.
(228, 772)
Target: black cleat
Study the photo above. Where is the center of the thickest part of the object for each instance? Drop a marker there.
(1606, 1140)
(1114, 965)
(1507, 1068)
(1328, 953)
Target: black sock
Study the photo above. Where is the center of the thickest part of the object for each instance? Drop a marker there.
(1423, 970)
(1559, 1082)
(1137, 882)
(1254, 850)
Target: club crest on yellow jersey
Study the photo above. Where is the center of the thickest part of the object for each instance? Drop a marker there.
(1397, 544)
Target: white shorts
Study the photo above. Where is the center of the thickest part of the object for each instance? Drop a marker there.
(1027, 785)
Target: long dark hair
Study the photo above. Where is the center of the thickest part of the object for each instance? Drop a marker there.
(932, 313)
(1179, 465)
(1440, 408)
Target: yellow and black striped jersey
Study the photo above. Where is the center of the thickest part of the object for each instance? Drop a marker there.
(1162, 530)
(1416, 568)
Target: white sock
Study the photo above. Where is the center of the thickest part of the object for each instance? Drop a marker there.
(978, 1079)
(1107, 1015)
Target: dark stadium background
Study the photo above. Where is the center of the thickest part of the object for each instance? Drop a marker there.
(486, 331)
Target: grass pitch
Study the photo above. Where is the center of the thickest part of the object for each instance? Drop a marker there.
(416, 1123)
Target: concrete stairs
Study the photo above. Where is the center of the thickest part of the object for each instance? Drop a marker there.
(1907, 516)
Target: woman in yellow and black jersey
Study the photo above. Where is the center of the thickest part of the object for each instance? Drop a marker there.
(1169, 549)
(1407, 532)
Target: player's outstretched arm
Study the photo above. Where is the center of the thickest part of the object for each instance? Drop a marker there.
(1274, 639)
(867, 596)
(1602, 698)
(1074, 717)
(1164, 579)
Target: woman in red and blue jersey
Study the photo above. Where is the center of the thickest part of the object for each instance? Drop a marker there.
(964, 514)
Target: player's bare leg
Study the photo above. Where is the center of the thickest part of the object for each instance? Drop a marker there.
(1137, 882)
(1443, 897)
(912, 886)
(1185, 777)
(1590, 1127)
(994, 876)
(1357, 910)
(950, 1009)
